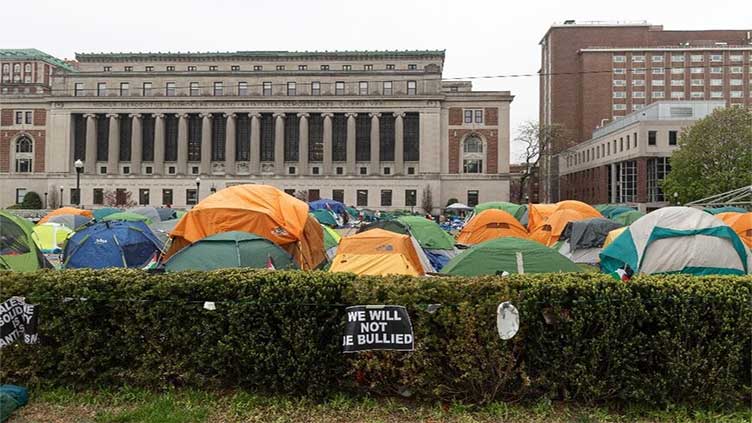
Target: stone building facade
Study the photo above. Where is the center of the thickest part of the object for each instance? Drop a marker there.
(372, 129)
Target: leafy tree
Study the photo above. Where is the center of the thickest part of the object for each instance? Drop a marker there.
(715, 156)
(427, 200)
(31, 200)
(123, 199)
(541, 143)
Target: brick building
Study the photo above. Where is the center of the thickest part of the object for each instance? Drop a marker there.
(593, 73)
(369, 128)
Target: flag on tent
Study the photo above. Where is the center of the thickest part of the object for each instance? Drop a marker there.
(623, 273)
(153, 262)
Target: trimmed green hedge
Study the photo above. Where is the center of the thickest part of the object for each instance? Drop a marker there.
(583, 337)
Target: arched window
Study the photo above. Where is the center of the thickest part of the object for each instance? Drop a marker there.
(472, 155)
(16, 68)
(24, 145)
(27, 68)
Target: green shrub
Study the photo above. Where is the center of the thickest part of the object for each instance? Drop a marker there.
(585, 338)
(31, 201)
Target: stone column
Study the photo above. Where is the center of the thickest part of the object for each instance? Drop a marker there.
(375, 167)
(136, 144)
(90, 165)
(327, 143)
(113, 145)
(279, 143)
(399, 143)
(351, 143)
(303, 144)
(230, 144)
(255, 143)
(206, 132)
(182, 165)
(159, 143)
(614, 198)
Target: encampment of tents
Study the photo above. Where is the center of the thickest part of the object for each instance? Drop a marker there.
(50, 237)
(490, 224)
(380, 252)
(678, 240)
(260, 209)
(741, 223)
(230, 249)
(66, 210)
(511, 255)
(111, 244)
(17, 248)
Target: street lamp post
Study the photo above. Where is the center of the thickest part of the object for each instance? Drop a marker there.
(198, 187)
(45, 200)
(79, 169)
(676, 198)
(61, 195)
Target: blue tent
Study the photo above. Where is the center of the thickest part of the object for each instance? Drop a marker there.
(326, 204)
(111, 244)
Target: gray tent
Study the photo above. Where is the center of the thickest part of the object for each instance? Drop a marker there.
(148, 211)
(162, 229)
(583, 240)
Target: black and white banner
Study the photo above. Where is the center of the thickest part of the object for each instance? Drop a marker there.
(378, 327)
(18, 322)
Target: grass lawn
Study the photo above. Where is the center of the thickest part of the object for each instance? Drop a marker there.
(189, 406)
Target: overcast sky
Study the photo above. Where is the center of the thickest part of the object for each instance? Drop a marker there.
(480, 37)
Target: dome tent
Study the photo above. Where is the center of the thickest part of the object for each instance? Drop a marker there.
(516, 210)
(260, 209)
(583, 239)
(110, 244)
(127, 216)
(50, 237)
(17, 248)
(330, 205)
(380, 252)
(548, 226)
(490, 224)
(741, 223)
(66, 210)
(627, 218)
(230, 249)
(511, 255)
(325, 217)
(72, 221)
(100, 213)
(678, 240)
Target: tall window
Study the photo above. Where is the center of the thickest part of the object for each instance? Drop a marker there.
(101, 89)
(191, 197)
(291, 88)
(292, 138)
(171, 137)
(363, 88)
(24, 155)
(78, 89)
(143, 196)
(672, 135)
(658, 168)
(267, 137)
(125, 138)
(412, 87)
(218, 137)
(242, 88)
(170, 89)
(98, 196)
(147, 138)
(219, 88)
(167, 197)
(362, 137)
(194, 137)
(316, 138)
(146, 89)
(124, 89)
(472, 155)
(103, 137)
(339, 137)
(315, 88)
(386, 137)
(79, 136)
(267, 88)
(411, 197)
(338, 195)
(412, 137)
(386, 197)
(193, 89)
(627, 174)
(339, 88)
(387, 88)
(362, 197)
(472, 198)
(243, 138)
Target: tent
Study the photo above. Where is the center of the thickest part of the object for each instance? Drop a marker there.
(511, 255)
(552, 228)
(331, 241)
(72, 221)
(725, 209)
(741, 223)
(678, 240)
(613, 235)
(230, 249)
(167, 213)
(324, 217)
(583, 240)
(99, 214)
(148, 211)
(490, 224)
(627, 218)
(380, 252)
(127, 217)
(17, 248)
(609, 211)
(537, 214)
(458, 207)
(259, 209)
(516, 210)
(162, 229)
(353, 212)
(66, 210)
(326, 204)
(111, 244)
(50, 237)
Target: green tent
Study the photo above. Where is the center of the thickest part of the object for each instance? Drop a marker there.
(17, 248)
(516, 210)
(230, 249)
(127, 217)
(331, 237)
(324, 217)
(353, 212)
(428, 233)
(628, 218)
(100, 214)
(511, 255)
(610, 211)
(725, 209)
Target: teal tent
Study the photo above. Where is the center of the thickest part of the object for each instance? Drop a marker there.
(100, 214)
(610, 211)
(725, 209)
(516, 210)
(628, 218)
(324, 217)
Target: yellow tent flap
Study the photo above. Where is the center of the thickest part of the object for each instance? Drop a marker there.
(378, 252)
(613, 235)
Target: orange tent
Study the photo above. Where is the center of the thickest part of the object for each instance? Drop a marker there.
(490, 224)
(741, 223)
(550, 231)
(537, 214)
(66, 210)
(380, 252)
(259, 209)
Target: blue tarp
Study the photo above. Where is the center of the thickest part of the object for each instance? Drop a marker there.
(327, 204)
(111, 244)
